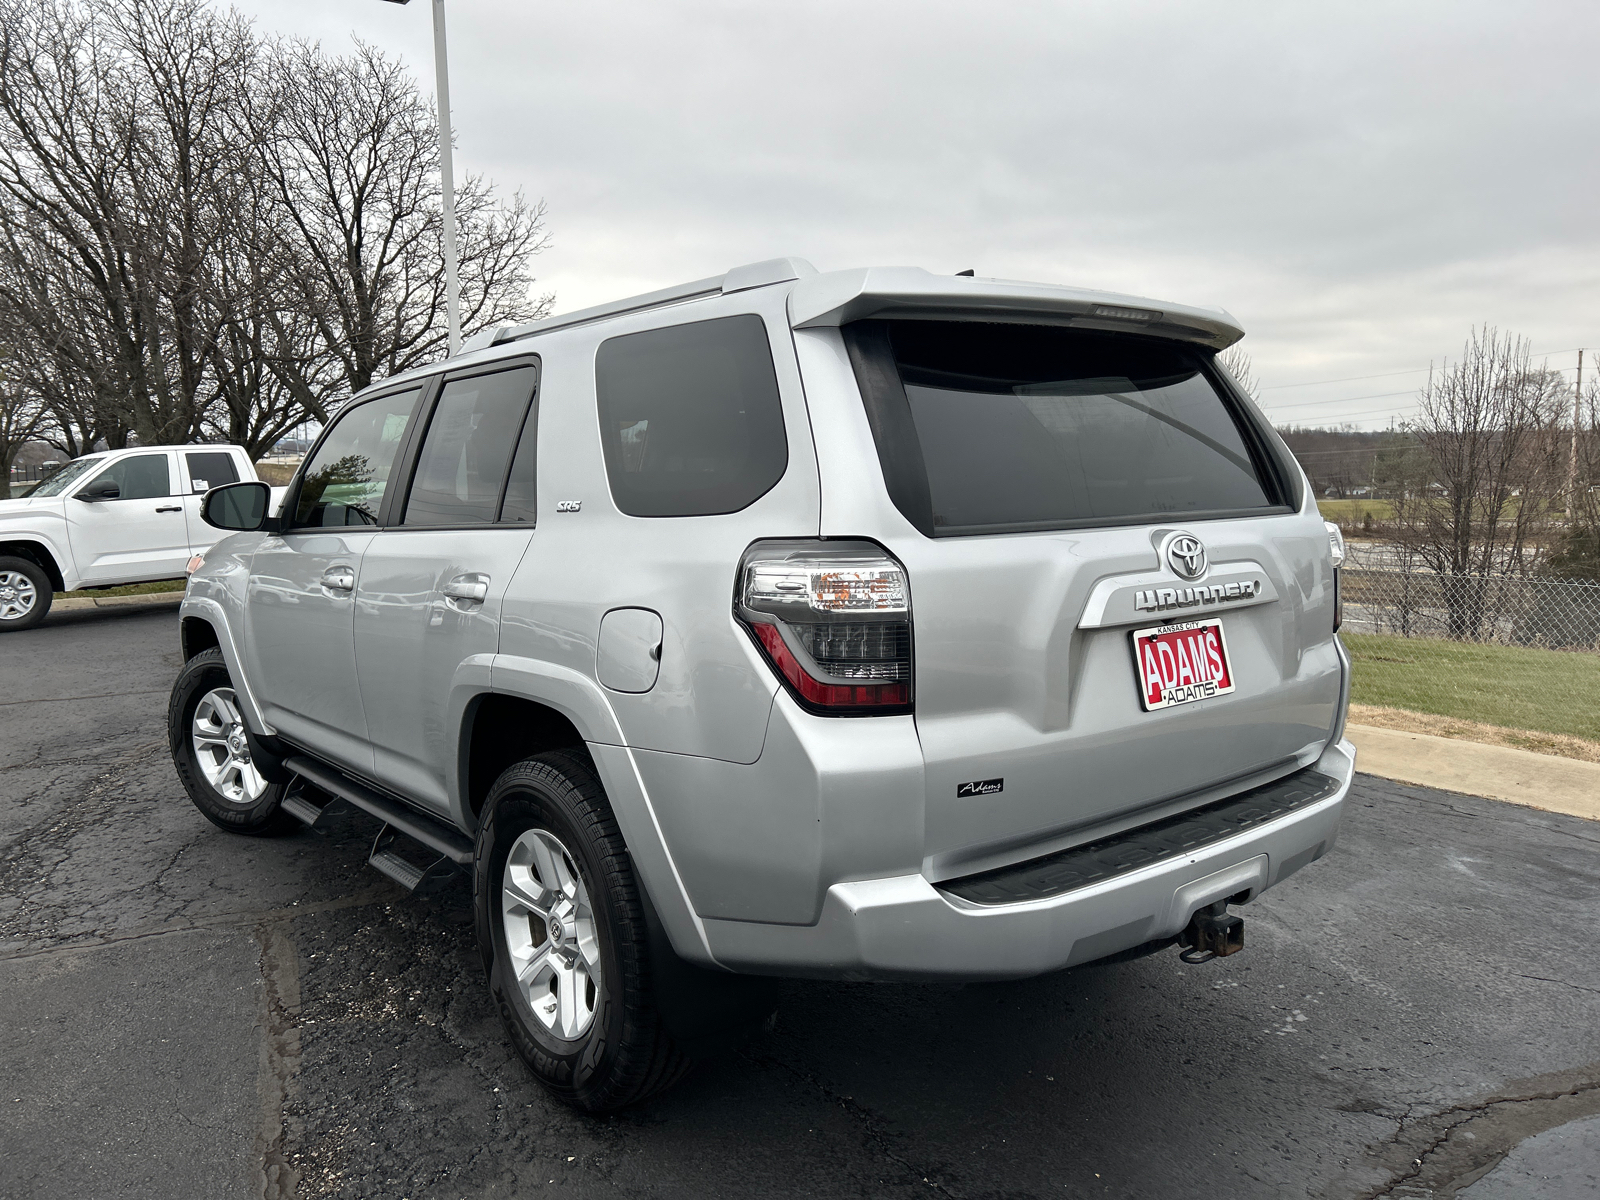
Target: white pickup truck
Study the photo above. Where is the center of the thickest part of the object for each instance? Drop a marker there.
(121, 516)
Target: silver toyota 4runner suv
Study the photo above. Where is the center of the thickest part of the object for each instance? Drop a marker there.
(869, 624)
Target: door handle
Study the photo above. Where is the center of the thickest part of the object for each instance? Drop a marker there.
(339, 579)
(170, 508)
(468, 587)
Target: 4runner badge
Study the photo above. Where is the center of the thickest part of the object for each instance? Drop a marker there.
(569, 505)
(1155, 599)
(980, 787)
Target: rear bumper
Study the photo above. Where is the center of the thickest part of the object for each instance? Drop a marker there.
(903, 927)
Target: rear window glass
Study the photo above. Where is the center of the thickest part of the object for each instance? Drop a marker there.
(462, 466)
(1035, 427)
(690, 418)
(209, 469)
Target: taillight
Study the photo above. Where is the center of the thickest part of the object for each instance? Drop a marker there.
(1338, 553)
(834, 620)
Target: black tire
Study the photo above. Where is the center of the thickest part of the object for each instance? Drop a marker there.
(259, 815)
(43, 594)
(624, 1055)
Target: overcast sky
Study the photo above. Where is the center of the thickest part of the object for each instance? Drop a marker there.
(1358, 183)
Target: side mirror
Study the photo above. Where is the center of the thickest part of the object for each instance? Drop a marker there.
(105, 489)
(237, 507)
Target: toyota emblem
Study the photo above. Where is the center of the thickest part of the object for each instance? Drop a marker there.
(1186, 556)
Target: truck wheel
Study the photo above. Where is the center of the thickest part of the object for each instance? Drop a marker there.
(564, 938)
(212, 753)
(25, 594)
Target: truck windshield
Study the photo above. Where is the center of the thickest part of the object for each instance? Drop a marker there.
(55, 484)
(1022, 427)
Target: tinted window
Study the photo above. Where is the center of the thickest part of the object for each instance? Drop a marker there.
(519, 505)
(209, 469)
(1036, 427)
(54, 485)
(345, 479)
(690, 418)
(142, 477)
(462, 464)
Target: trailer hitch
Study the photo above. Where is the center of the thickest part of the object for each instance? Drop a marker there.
(1212, 932)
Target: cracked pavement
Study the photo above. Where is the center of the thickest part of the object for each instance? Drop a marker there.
(189, 1013)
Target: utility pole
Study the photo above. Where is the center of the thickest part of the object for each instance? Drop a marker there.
(447, 183)
(1572, 459)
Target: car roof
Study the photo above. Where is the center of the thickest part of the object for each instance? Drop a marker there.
(831, 298)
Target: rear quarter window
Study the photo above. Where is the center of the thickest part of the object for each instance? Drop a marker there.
(989, 427)
(690, 418)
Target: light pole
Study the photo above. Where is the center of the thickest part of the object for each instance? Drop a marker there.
(452, 287)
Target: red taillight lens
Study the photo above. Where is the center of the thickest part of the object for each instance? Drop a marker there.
(827, 695)
(834, 620)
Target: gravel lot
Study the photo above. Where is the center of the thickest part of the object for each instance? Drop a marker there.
(188, 1013)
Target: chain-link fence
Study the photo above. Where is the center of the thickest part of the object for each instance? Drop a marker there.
(1556, 614)
(1511, 653)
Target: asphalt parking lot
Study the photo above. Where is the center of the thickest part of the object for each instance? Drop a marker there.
(187, 1013)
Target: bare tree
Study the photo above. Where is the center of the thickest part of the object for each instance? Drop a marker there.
(21, 417)
(1489, 429)
(1236, 362)
(350, 146)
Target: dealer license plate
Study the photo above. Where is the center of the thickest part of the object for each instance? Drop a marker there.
(1181, 663)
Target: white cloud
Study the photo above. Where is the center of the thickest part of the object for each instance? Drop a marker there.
(1359, 183)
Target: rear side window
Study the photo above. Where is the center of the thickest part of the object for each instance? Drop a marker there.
(209, 469)
(461, 468)
(1017, 427)
(690, 418)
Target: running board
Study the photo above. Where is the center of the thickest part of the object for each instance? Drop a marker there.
(409, 875)
(302, 807)
(444, 840)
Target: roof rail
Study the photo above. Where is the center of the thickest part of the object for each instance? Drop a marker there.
(752, 275)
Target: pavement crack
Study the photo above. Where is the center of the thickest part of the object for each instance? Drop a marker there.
(280, 1059)
(1563, 982)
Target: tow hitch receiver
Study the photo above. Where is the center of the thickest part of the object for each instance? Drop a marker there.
(1212, 932)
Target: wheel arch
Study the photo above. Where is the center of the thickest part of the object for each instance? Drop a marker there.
(40, 555)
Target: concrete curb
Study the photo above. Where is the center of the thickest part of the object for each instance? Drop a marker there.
(150, 600)
(1563, 785)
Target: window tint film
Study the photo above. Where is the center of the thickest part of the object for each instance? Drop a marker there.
(1033, 427)
(468, 445)
(519, 506)
(142, 477)
(690, 418)
(210, 469)
(345, 480)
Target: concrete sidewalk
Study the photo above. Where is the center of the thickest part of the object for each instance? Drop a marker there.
(1563, 785)
(147, 600)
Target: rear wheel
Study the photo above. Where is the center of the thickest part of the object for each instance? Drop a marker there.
(25, 594)
(563, 933)
(212, 753)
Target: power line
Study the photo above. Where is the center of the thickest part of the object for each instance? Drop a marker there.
(1342, 400)
(1412, 371)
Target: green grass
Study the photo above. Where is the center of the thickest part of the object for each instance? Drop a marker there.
(1349, 513)
(127, 589)
(1521, 688)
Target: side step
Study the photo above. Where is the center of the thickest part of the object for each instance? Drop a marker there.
(410, 875)
(300, 801)
(444, 840)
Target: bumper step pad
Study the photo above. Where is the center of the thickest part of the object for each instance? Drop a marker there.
(1067, 870)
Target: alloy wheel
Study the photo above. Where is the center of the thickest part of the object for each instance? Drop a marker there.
(550, 932)
(18, 595)
(222, 749)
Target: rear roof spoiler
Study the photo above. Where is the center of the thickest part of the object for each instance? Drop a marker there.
(839, 297)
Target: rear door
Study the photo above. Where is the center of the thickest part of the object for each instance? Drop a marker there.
(200, 470)
(1059, 491)
(138, 535)
(427, 613)
(300, 637)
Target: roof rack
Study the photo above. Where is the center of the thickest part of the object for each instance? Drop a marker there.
(752, 275)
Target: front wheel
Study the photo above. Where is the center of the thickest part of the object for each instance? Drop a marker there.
(562, 930)
(25, 594)
(212, 754)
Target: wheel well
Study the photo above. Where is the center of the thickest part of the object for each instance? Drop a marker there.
(502, 730)
(197, 637)
(40, 557)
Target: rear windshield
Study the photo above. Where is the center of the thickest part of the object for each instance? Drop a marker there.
(1034, 427)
